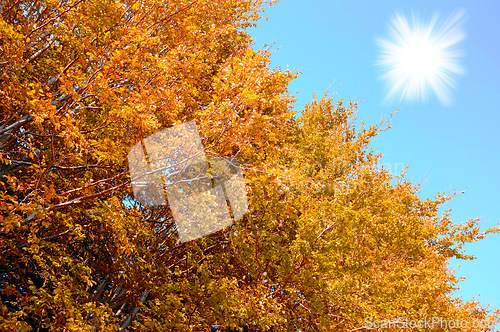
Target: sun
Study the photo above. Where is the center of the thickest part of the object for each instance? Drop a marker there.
(421, 57)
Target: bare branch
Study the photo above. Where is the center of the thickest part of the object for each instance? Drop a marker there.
(134, 312)
(40, 52)
(16, 125)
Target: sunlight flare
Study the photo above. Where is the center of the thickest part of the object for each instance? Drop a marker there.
(420, 57)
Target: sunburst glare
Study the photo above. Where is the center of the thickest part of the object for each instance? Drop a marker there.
(420, 57)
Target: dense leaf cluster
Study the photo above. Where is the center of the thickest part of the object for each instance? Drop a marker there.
(329, 240)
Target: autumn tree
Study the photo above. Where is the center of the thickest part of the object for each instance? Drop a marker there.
(329, 240)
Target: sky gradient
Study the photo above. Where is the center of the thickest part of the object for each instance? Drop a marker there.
(447, 148)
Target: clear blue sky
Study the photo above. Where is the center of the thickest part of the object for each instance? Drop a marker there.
(447, 148)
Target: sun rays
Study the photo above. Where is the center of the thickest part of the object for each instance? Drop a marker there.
(419, 57)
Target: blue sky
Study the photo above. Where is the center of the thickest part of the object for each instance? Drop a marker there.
(446, 148)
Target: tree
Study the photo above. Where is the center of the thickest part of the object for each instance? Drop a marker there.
(329, 240)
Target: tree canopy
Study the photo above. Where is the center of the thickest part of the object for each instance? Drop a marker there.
(330, 238)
